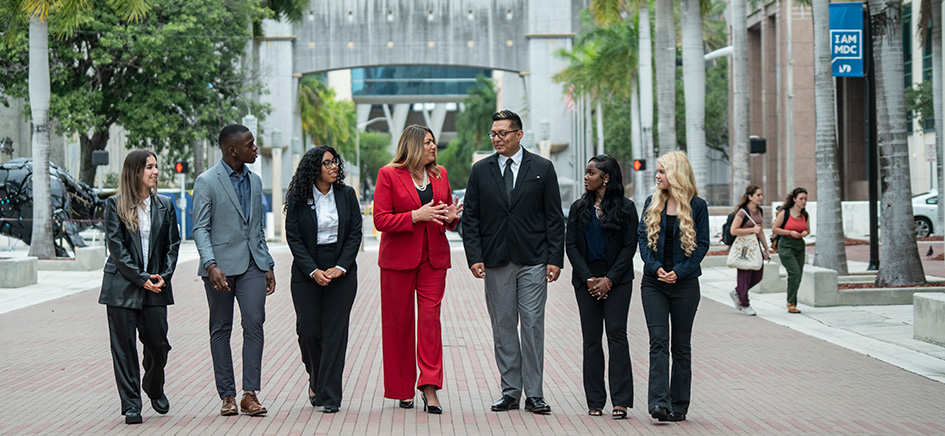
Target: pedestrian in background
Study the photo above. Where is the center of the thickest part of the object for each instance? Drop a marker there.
(748, 221)
(601, 241)
(790, 245)
(323, 230)
(230, 235)
(674, 238)
(143, 241)
(413, 207)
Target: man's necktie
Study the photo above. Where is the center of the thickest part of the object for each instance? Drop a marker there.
(508, 179)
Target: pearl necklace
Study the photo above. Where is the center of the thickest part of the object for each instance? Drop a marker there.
(424, 183)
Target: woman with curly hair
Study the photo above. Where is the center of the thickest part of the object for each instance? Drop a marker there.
(323, 229)
(674, 237)
(791, 225)
(413, 206)
(601, 241)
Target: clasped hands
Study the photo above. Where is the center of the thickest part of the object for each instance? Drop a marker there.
(599, 287)
(439, 213)
(154, 286)
(667, 277)
(323, 278)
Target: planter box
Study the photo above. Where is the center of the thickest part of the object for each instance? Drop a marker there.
(17, 272)
(86, 259)
(929, 317)
(819, 289)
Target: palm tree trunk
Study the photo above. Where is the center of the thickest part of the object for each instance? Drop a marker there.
(646, 102)
(741, 171)
(831, 250)
(600, 127)
(666, 75)
(937, 102)
(636, 147)
(694, 87)
(41, 241)
(899, 262)
(87, 144)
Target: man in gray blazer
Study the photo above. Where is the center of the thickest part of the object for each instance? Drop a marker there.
(229, 232)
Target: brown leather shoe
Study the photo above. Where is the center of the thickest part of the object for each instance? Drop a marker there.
(792, 308)
(249, 405)
(229, 406)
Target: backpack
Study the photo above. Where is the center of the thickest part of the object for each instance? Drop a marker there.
(727, 237)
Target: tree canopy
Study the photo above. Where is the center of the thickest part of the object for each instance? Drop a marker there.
(168, 79)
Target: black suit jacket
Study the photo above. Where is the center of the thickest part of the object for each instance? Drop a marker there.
(301, 232)
(125, 270)
(529, 230)
(619, 248)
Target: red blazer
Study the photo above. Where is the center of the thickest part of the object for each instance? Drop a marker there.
(395, 196)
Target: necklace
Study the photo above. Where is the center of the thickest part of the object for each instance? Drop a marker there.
(423, 183)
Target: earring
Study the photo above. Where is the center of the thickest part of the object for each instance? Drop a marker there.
(605, 183)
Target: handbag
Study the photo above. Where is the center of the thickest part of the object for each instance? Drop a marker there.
(746, 252)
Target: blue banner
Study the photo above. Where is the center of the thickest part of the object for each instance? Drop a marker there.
(846, 39)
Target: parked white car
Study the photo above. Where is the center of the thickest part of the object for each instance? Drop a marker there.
(925, 209)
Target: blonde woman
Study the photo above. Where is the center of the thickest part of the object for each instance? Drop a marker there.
(673, 237)
(142, 237)
(413, 206)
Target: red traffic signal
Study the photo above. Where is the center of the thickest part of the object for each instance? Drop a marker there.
(181, 167)
(639, 164)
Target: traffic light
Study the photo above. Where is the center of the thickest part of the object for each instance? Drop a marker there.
(181, 167)
(639, 164)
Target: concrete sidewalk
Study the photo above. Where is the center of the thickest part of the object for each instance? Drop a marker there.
(824, 371)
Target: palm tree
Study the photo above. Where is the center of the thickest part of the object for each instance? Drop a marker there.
(665, 55)
(899, 258)
(740, 156)
(607, 12)
(831, 250)
(930, 11)
(693, 53)
(66, 18)
(325, 120)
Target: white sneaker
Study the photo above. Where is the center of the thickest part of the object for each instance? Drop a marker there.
(736, 300)
(747, 310)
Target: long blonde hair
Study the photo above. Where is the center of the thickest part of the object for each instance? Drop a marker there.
(129, 187)
(410, 150)
(682, 187)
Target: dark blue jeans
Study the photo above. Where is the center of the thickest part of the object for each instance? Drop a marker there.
(670, 310)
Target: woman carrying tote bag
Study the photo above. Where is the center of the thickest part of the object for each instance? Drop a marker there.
(750, 243)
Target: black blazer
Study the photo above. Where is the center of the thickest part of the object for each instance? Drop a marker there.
(619, 248)
(301, 232)
(527, 231)
(685, 266)
(125, 273)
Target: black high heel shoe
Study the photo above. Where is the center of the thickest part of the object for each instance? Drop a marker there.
(405, 404)
(435, 410)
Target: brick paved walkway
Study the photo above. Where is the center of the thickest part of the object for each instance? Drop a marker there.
(750, 376)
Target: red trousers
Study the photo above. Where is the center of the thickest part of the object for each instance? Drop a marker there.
(405, 350)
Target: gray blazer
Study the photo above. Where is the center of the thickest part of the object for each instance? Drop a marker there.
(221, 232)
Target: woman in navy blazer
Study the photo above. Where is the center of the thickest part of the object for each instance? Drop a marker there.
(601, 241)
(413, 207)
(143, 240)
(323, 230)
(674, 238)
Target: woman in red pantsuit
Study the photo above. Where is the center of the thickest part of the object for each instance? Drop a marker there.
(413, 206)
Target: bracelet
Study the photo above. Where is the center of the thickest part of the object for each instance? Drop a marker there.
(211, 267)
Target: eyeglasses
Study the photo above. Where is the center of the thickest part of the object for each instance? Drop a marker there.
(329, 163)
(501, 134)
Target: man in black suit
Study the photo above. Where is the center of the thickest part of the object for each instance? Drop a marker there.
(513, 229)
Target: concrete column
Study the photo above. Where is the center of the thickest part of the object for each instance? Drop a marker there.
(396, 122)
(364, 112)
(277, 216)
(435, 120)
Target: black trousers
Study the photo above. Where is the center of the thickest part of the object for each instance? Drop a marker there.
(596, 316)
(670, 310)
(322, 317)
(150, 322)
